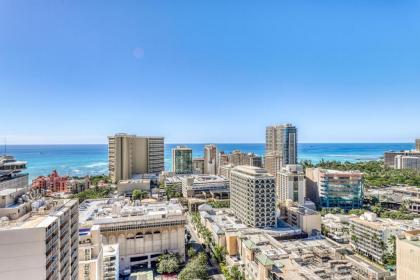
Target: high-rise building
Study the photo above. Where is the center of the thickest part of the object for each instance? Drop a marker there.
(210, 159)
(282, 141)
(90, 254)
(408, 255)
(43, 244)
(255, 160)
(418, 144)
(272, 163)
(182, 160)
(291, 184)
(333, 188)
(252, 196)
(131, 154)
(198, 165)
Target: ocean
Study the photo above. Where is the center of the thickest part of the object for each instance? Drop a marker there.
(80, 160)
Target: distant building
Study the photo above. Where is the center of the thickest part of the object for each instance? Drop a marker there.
(282, 141)
(335, 189)
(291, 184)
(224, 170)
(43, 244)
(255, 160)
(408, 255)
(110, 262)
(128, 186)
(131, 154)
(390, 159)
(198, 165)
(273, 163)
(237, 157)
(252, 196)
(53, 182)
(182, 162)
(210, 159)
(407, 162)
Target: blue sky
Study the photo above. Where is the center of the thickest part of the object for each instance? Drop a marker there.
(209, 71)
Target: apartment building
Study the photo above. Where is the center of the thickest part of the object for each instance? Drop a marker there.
(130, 154)
(90, 254)
(333, 188)
(418, 144)
(370, 236)
(291, 184)
(282, 141)
(43, 244)
(224, 170)
(198, 166)
(142, 232)
(210, 159)
(110, 262)
(407, 162)
(252, 196)
(408, 255)
(390, 156)
(273, 163)
(182, 162)
(308, 220)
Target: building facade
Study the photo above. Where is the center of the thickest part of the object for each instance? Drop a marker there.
(408, 255)
(198, 166)
(142, 232)
(282, 141)
(43, 244)
(182, 162)
(210, 159)
(291, 184)
(252, 199)
(130, 154)
(335, 189)
(407, 162)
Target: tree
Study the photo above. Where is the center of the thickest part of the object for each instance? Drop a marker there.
(168, 263)
(138, 194)
(195, 269)
(191, 252)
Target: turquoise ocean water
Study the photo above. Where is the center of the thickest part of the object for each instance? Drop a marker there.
(82, 160)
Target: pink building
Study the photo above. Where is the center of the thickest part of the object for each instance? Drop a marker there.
(52, 182)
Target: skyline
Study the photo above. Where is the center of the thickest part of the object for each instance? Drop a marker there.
(209, 72)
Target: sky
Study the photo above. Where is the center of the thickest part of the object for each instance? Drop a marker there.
(209, 71)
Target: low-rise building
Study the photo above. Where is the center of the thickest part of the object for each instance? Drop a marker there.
(371, 236)
(128, 186)
(407, 162)
(337, 227)
(308, 220)
(143, 232)
(204, 186)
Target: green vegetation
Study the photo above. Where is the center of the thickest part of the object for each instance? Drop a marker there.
(94, 180)
(168, 263)
(231, 274)
(325, 211)
(401, 214)
(191, 252)
(139, 195)
(93, 193)
(390, 259)
(202, 231)
(375, 173)
(170, 191)
(220, 203)
(357, 212)
(195, 269)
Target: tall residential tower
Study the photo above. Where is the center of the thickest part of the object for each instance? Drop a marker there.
(131, 154)
(280, 146)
